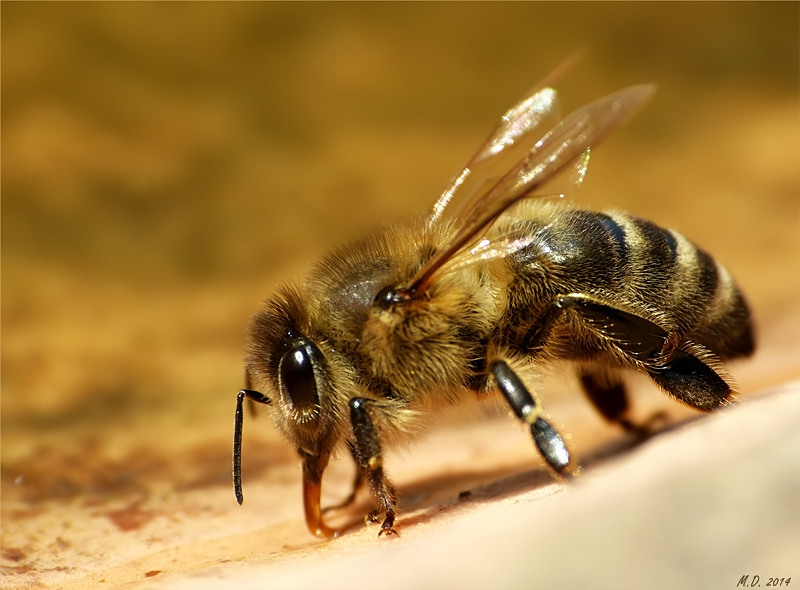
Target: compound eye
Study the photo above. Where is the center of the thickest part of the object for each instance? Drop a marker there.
(298, 383)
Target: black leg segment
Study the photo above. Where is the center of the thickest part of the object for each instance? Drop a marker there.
(367, 453)
(692, 381)
(547, 439)
(637, 337)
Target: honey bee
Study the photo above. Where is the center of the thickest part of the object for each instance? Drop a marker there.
(425, 314)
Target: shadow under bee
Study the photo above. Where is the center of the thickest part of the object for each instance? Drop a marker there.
(426, 499)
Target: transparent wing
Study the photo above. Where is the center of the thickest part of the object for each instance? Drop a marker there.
(564, 149)
(538, 109)
(512, 137)
(485, 249)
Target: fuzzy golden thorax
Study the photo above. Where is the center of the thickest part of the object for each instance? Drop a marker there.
(430, 343)
(403, 350)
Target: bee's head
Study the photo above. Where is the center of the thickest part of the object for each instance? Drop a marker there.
(287, 367)
(286, 364)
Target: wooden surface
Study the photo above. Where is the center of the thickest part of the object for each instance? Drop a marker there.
(166, 166)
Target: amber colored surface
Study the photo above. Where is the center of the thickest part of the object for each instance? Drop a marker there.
(164, 166)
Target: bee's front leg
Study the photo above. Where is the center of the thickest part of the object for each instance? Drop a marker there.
(367, 453)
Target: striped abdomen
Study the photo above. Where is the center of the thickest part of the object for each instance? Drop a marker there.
(634, 265)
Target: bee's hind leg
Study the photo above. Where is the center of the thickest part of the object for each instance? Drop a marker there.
(689, 372)
(547, 439)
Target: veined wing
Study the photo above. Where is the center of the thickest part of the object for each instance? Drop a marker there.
(534, 111)
(565, 145)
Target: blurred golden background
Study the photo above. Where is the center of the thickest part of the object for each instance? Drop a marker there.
(164, 166)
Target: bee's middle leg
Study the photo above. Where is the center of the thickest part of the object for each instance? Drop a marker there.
(547, 439)
(369, 461)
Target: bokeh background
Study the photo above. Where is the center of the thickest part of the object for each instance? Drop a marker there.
(164, 166)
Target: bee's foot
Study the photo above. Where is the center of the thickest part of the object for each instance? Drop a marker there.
(387, 527)
(648, 428)
(372, 517)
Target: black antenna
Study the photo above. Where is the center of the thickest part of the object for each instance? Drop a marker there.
(237, 437)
